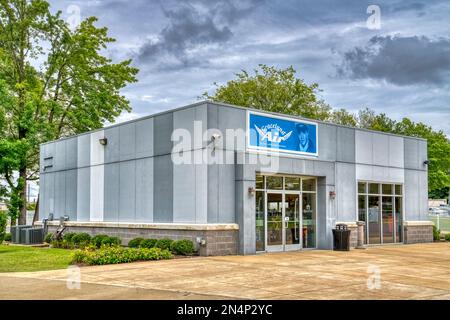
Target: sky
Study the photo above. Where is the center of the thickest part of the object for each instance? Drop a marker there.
(390, 56)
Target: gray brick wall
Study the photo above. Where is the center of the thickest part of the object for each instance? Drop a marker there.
(218, 242)
(418, 234)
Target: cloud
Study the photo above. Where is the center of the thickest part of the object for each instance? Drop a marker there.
(399, 60)
(192, 26)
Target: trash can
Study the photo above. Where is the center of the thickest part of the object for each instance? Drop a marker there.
(341, 238)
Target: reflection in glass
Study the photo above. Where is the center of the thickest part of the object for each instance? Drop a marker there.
(374, 188)
(374, 220)
(260, 232)
(308, 184)
(387, 188)
(274, 183)
(292, 219)
(398, 189)
(274, 219)
(309, 220)
(362, 213)
(388, 220)
(362, 187)
(398, 219)
(292, 183)
(259, 182)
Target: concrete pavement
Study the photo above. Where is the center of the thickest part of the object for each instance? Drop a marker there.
(420, 271)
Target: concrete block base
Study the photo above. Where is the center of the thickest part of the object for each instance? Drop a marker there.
(418, 231)
(219, 240)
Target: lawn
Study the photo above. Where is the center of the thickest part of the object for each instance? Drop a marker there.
(444, 223)
(20, 259)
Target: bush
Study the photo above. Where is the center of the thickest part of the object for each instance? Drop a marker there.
(81, 238)
(163, 243)
(8, 237)
(113, 255)
(436, 234)
(98, 239)
(48, 237)
(148, 243)
(111, 241)
(183, 247)
(62, 244)
(69, 236)
(135, 243)
(447, 237)
(3, 221)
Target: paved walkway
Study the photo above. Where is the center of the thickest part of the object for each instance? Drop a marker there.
(419, 271)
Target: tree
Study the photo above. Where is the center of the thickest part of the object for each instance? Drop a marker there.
(74, 89)
(343, 117)
(438, 151)
(272, 89)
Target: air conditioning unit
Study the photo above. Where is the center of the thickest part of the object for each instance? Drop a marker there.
(32, 235)
(16, 233)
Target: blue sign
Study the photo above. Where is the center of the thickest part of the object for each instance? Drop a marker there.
(281, 134)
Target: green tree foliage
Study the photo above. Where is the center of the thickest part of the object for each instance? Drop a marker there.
(54, 82)
(278, 90)
(272, 89)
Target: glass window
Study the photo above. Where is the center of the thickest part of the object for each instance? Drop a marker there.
(260, 230)
(398, 220)
(362, 200)
(388, 219)
(398, 189)
(259, 182)
(387, 188)
(362, 187)
(374, 219)
(309, 220)
(374, 188)
(292, 183)
(274, 183)
(308, 184)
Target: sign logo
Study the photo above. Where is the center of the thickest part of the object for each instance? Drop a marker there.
(281, 134)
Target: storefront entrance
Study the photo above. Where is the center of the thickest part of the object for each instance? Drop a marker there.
(285, 213)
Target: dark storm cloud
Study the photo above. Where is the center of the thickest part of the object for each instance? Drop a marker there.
(400, 60)
(193, 24)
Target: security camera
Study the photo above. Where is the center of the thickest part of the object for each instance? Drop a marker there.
(215, 137)
(426, 162)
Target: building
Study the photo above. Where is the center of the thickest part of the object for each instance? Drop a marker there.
(237, 181)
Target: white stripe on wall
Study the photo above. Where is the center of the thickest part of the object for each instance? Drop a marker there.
(97, 177)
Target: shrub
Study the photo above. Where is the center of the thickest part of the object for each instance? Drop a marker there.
(62, 244)
(436, 234)
(111, 241)
(183, 247)
(447, 237)
(81, 238)
(48, 237)
(135, 243)
(98, 239)
(3, 221)
(163, 243)
(8, 237)
(69, 236)
(113, 255)
(148, 243)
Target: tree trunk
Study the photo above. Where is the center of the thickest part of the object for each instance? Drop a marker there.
(23, 196)
(36, 210)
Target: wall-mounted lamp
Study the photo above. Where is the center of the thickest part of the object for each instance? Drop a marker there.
(332, 194)
(103, 141)
(251, 191)
(426, 162)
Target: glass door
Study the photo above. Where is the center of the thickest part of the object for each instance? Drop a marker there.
(292, 221)
(275, 234)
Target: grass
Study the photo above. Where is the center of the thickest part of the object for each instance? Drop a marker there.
(22, 259)
(444, 223)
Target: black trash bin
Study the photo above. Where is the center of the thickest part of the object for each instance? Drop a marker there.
(341, 238)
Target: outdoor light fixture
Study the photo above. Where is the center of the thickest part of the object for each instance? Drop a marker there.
(332, 194)
(103, 141)
(426, 162)
(251, 191)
